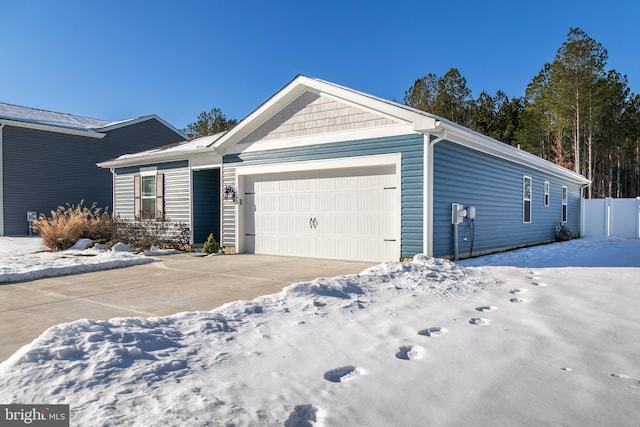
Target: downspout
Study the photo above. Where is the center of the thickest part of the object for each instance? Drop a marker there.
(1, 182)
(428, 191)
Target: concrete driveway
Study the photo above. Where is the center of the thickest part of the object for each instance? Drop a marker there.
(182, 282)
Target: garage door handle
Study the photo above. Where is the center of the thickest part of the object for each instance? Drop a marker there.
(313, 223)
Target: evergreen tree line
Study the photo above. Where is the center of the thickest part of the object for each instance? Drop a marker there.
(574, 113)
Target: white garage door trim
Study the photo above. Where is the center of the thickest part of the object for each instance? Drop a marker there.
(322, 165)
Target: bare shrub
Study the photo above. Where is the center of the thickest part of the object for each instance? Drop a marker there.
(143, 234)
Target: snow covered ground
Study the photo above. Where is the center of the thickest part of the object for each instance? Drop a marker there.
(531, 337)
(24, 259)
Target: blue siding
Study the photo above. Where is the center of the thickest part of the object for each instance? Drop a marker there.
(43, 170)
(411, 148)
(206, 205)
(494, 187)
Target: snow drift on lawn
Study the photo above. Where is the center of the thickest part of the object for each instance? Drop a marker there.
(422, 343)
(23, 259)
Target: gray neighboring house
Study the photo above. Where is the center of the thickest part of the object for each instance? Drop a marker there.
(321, 170)
(49, 159)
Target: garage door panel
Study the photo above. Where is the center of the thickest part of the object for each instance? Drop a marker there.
(345, 214)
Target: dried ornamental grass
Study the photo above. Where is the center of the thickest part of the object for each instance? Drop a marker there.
(67, 225)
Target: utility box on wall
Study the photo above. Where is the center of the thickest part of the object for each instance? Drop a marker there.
(457, 213)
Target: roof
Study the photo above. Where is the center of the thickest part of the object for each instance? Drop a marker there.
(67, 123)
(50, 118)
(420, 121)
(169, 152)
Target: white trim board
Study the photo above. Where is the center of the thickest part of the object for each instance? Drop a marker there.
(309, 165)
(325, 138)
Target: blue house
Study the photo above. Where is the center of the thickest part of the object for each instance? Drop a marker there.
(49, 158)
(321, 170)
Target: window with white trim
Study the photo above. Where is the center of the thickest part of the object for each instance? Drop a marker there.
(546, 193)
(148, 195)
(526, 199)
(565, 197)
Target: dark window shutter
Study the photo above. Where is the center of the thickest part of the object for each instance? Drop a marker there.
(160, 195)
(137, 200)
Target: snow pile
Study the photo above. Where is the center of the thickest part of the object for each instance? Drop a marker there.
(423, 343)
(23, 259)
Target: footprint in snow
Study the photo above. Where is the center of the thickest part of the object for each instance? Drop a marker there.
(634, 381)
(484, 308)
(302, 416)
(409, 352)
(516, 291)
(436, 331)
(538, 283)
(342, 374)
(479, 321)
(517, 300)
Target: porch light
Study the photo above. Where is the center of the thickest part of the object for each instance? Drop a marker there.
(230, 193)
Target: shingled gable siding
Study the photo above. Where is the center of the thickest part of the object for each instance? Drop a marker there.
(312, 114)
(494, 187)
(176, 190)
(411, 148)
(43, 170)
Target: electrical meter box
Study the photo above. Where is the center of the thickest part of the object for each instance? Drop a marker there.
(457, 213)
(32, 216)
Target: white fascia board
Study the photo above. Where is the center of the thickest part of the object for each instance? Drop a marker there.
(129, 122)
(324, 138)
(495, 148)
(153, 158)
(57, 129)
(208, 160)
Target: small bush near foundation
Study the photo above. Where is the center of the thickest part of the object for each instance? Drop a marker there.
(147, 233)
(67, 225)
(210, 246)
(564, 233)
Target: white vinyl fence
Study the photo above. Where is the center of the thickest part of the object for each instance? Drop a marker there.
(611, 218)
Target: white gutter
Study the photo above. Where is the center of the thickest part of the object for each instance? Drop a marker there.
(1, 182)
(57, 129)
(160, 157)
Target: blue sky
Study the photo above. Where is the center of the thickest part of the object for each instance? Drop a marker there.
(119, 59)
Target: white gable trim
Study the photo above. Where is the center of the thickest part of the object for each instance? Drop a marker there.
(302, 84)
(117, 125)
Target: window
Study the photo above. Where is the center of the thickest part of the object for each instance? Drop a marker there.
(148, 195)
(546, 193)
(565, 196)
(526, 200)
(148, 206)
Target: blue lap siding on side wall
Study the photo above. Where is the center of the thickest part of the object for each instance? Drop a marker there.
(411, 148)
(43, 170)
(494, 186)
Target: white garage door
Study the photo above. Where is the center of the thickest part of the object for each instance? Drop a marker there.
(339, 213)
